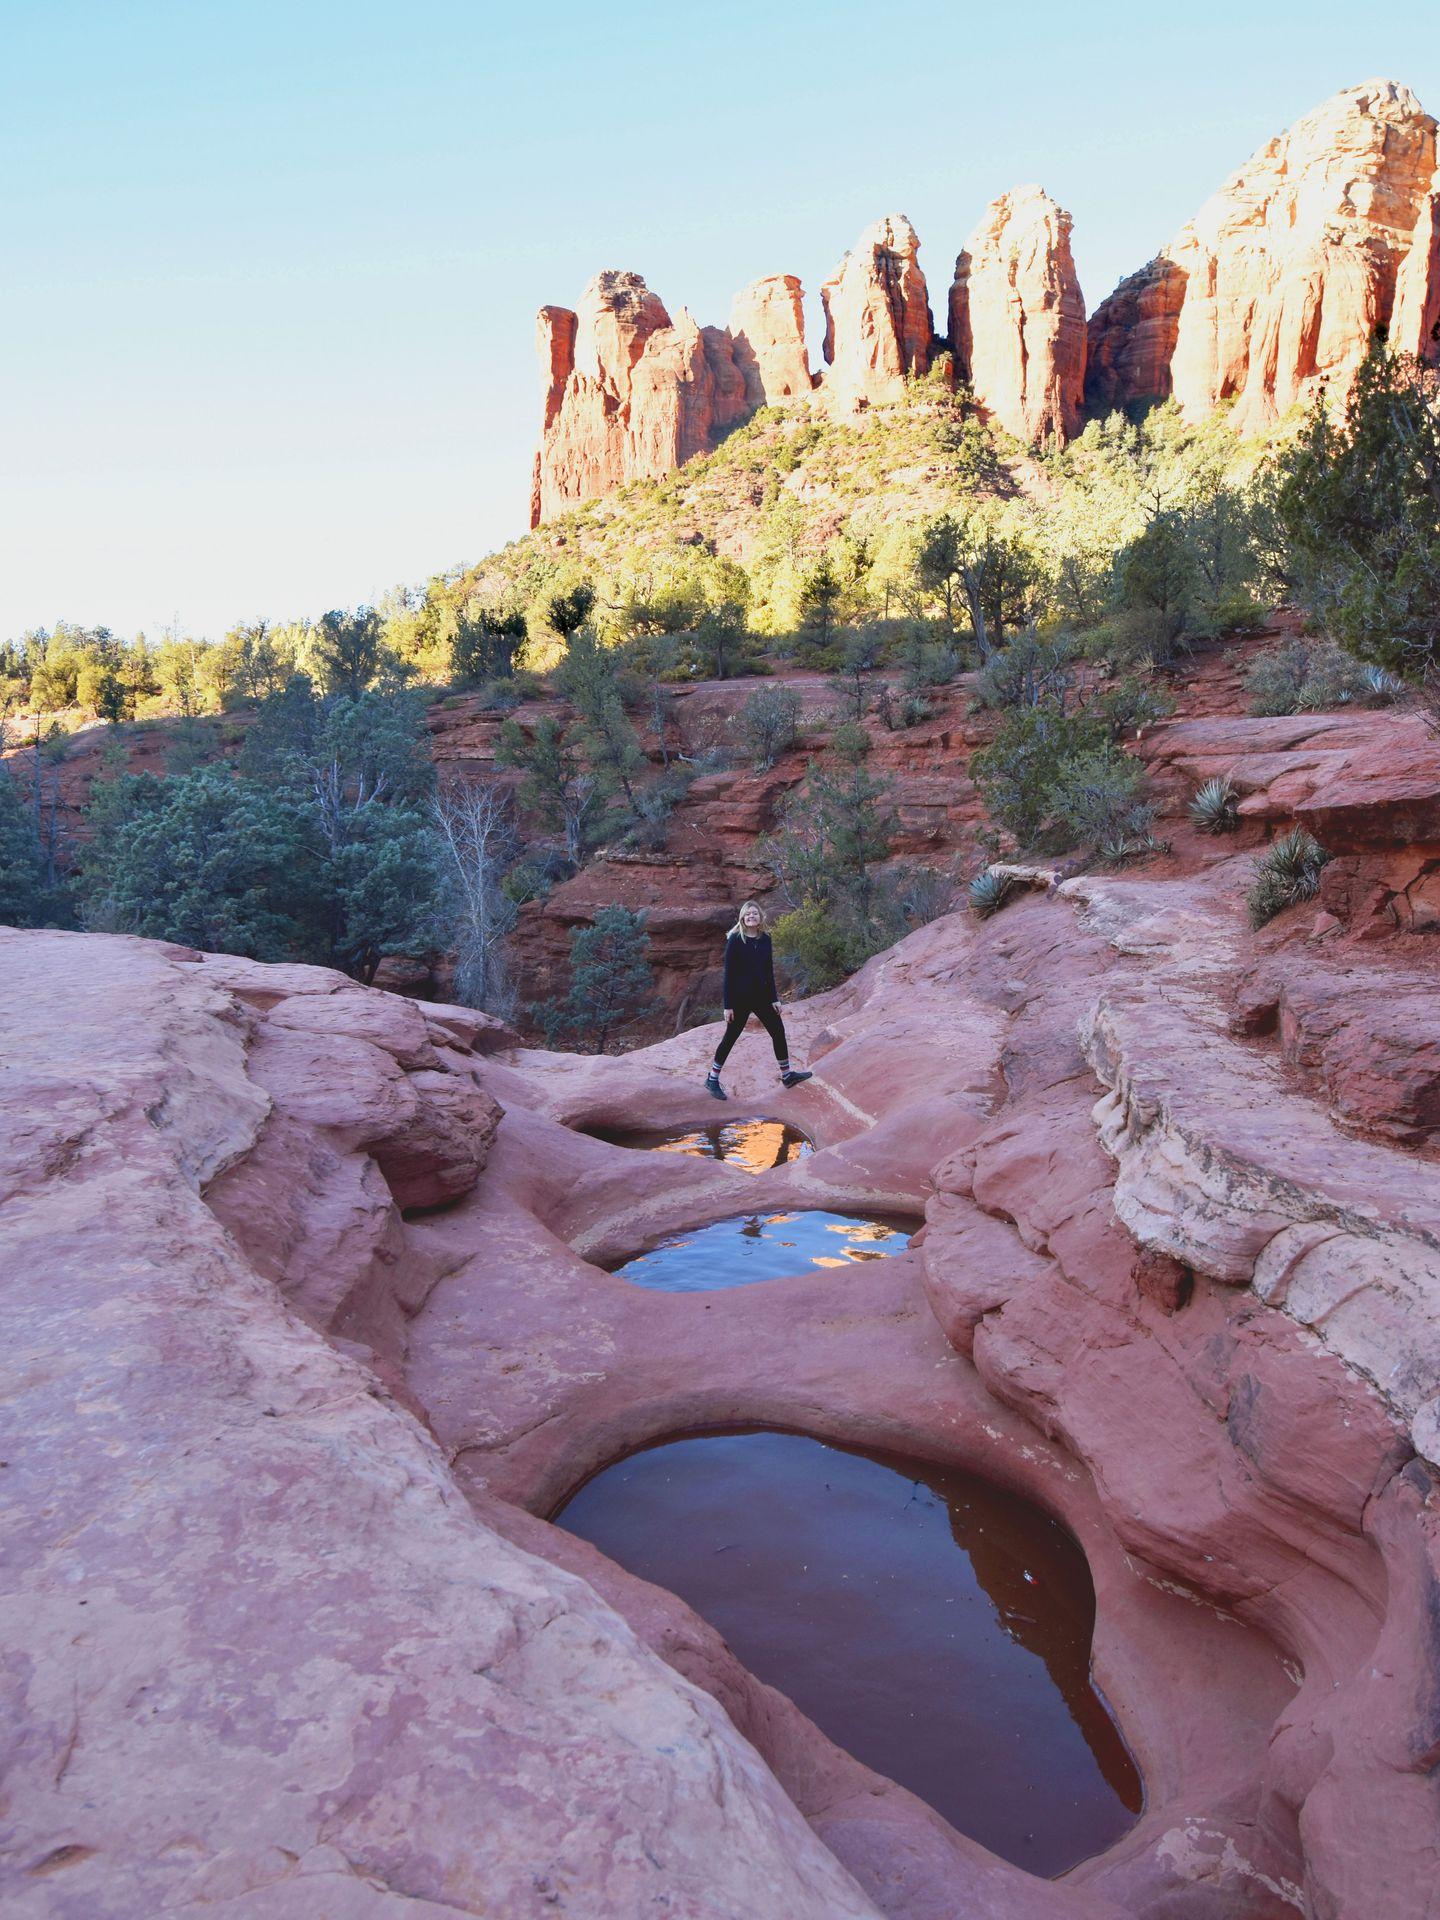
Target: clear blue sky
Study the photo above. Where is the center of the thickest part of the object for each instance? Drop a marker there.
(271, 268)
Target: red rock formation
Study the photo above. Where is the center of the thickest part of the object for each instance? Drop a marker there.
(767, 327)
(1272, 293)
(1415, 327)
(250, 1606)
(628, 395)
(878, 330)
(279, 1454)
(1017, 318)
(1130, 340)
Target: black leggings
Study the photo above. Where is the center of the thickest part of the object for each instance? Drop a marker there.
(769, 1019)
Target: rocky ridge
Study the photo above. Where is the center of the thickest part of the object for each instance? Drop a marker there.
(1266, 300)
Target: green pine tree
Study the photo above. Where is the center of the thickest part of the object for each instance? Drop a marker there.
(611, 982)
(1357, 504)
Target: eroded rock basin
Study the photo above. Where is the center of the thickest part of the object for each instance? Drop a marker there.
(751, 1247)
(934, 1625)
(755, 1146)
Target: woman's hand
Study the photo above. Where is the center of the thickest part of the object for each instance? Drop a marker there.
(776, 1005)
(729, 1014)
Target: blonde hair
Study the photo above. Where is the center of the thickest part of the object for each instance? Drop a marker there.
(745, 906)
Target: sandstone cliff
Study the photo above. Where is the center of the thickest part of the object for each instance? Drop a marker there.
(878, 331)
(1268, 298)
(1415, 325)
(1273, 291)
(1017, 318)
(628, 394)
(767, 328)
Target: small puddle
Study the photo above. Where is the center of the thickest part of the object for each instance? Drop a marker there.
(757, 1246)
(935, 1626)
(758, 1146)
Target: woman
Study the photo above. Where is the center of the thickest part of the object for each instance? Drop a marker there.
(750, 988)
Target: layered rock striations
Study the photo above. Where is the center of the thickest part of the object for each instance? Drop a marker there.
(1017, 318)
(1272, 293)
(878, 330)
(629, 394)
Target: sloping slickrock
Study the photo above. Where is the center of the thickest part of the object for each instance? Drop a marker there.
(1273, 291)
(878, 330)
(1227, 1334)
(1017, 318)
(1361, 782)
(263, 1658)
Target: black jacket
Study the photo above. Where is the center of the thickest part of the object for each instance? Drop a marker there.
(749, 971)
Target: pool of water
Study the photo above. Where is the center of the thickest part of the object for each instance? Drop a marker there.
(756, 1145)
(761, 1246)
(935, 1626)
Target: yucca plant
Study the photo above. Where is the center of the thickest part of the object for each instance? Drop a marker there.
(1380, 685)
(1285, 874)
(1216, 807)
(989, 891)
(1121, 848)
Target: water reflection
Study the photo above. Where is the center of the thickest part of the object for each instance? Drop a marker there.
(935, 1626)
(758, 1146)
(756, 1246)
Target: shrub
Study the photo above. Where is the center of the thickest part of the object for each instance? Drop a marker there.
(769, 724)
(1137, 637)
(1302, 677)
(813, 945)
(1333, 679)
(913, 897)
(706, 745)
(650, 824)
(1287, 873)
(1016, 773)
(926, 663)
(1026, 672)
(1215, 807)
(989, 891)
(502, 696)
(914, 710)
(1096, 802)
(1236, 612)
(1130, 705)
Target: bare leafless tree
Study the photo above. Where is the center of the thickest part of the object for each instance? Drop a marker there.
(478, 841)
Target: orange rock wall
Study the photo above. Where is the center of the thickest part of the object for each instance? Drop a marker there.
(1272, 293)
(1017, 318)
(878, 330)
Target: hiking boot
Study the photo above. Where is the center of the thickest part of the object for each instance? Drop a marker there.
(712, 1085)
(794, 1077)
